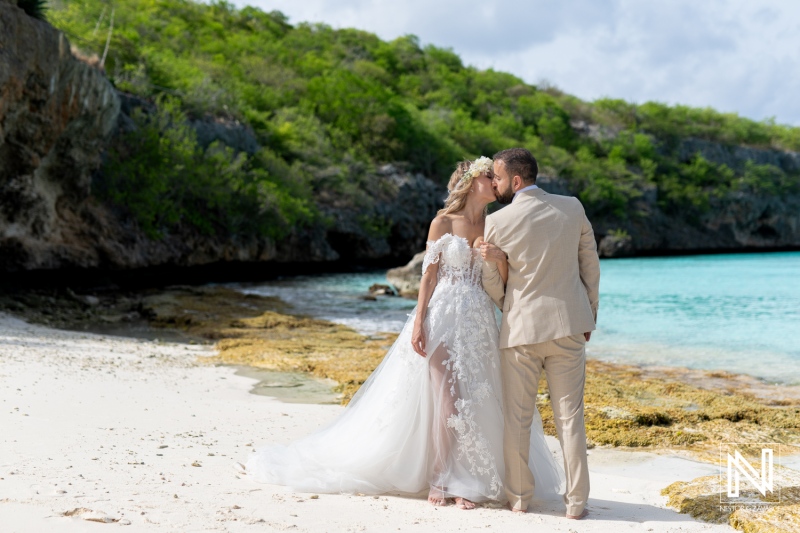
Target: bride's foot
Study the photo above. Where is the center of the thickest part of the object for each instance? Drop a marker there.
(437, 498)
(437, 501)
(465, 504)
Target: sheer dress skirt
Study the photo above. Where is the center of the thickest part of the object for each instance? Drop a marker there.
(421, 424)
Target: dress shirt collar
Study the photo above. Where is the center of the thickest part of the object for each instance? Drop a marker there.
(528, 188)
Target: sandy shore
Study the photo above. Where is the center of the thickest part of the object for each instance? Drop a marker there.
(114, 431)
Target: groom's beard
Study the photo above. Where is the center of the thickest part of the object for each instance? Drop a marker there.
(504, 197)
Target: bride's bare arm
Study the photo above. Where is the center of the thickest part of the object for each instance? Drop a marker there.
(427, 285)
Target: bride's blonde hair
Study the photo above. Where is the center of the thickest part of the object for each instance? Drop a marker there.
(459, 187)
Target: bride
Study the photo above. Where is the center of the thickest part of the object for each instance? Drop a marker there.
(430, 416)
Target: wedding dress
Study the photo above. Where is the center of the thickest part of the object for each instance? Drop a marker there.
(417, 423)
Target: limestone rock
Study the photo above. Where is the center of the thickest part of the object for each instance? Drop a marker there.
(395, 227)
(406, 279)
(378, 289)
(58, 115)
(736, 157)
(55, 114)
(615, 244)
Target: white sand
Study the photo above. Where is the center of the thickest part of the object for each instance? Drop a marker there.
(112, 427)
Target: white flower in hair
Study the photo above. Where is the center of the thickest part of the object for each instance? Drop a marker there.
(482, 165)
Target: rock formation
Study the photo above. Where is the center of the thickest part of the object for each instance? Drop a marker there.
(737, 221)
(58, 115)
(55, 114)
(406, 278)
(736, 157)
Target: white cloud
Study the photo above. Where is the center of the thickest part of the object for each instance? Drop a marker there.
(734, 55)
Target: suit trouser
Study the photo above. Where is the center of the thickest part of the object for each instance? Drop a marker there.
(564, 363)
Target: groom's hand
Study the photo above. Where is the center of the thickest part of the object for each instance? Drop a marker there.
(587, 335)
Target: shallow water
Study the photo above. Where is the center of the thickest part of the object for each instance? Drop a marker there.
(739, 312)
(290, 387)
(339, 298)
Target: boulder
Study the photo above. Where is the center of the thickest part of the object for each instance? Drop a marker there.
(378, 289)
(406, 279)
(615, 244)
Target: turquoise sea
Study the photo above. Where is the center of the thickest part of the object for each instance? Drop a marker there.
(739, 313)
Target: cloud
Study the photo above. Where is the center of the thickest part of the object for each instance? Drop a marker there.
(735, 55)
(470, 25)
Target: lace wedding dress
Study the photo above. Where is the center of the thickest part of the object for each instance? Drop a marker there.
(420, 424)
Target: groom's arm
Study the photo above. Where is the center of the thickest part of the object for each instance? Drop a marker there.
(589, 264)
(492, 281)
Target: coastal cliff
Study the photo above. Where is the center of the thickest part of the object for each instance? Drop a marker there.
(55, 114)
(309, 179)
(737, 221)
(59, 115)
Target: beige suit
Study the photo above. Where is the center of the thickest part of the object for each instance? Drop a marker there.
(550, 300)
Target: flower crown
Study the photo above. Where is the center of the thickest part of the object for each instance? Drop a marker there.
(482, 165)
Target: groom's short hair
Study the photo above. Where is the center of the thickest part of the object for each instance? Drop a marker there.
(519, 162)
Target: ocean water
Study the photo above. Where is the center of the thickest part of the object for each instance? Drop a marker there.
(339, 298)
(739, 313)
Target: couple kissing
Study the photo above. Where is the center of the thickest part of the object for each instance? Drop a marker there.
(451, 409)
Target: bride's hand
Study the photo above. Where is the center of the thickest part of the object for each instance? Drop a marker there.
(492, 253)
(418, 340)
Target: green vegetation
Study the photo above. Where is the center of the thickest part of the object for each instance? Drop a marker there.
(163, 176)
(328, 105)
(34, 8)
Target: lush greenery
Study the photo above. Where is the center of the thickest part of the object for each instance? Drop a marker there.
(34, 8)
(163, 176)
(329, 105)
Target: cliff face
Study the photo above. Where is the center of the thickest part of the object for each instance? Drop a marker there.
(736, 157)
(733, 222)
(55, 113)
(402, 213)
(58, 115)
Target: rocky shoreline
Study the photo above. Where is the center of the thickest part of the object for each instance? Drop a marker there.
(660, 409)
(145, 434)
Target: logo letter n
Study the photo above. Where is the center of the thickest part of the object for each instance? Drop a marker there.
(738, 465)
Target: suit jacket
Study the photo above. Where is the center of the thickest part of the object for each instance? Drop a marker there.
(553, 269)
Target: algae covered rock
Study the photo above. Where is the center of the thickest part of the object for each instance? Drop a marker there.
(706, 498)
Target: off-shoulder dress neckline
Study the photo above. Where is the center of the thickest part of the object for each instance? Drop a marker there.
(448, 234)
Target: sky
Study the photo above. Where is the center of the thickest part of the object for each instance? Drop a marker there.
(739, 56)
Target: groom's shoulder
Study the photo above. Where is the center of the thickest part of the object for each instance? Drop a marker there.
(504, 213)
(560, 200)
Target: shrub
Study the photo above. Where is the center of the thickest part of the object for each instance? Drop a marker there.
(34, 8)
(165, 180)
(329, 105)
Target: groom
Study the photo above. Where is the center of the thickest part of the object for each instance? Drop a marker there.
(549, 311)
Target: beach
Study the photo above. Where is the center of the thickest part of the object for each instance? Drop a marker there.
(101, 431)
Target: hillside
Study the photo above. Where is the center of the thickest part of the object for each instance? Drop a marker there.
(237, 127)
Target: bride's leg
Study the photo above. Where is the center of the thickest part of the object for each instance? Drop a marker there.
(442, 436)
